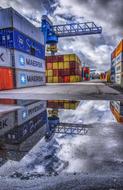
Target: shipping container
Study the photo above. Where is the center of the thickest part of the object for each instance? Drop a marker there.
(113, 55)
(119, 79)
(119, 67)
(112, 78)
(19, 134)
(5, 57)
(9, 18)
(13, 39)
(62, 104)
(29, 78)
(64, 67)
(17, 59)
(119, 48)
(86, 73)
(117, 115)
(6, 78)
(7, 122)
(30, 111)
(119, 58)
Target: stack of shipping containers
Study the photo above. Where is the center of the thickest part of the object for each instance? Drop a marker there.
(62, 104)
(85, 73)
(23, 123)
(63, 69)
(22, 52)
(117, 65)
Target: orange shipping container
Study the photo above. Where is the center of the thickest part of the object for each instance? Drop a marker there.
(119, 48)
(49, 66)
(6, 79)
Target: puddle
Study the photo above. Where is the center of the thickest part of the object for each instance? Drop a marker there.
(49, 137)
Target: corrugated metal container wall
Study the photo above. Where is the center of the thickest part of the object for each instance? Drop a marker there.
(7, 122)
(9, 18)
(30, 111)
(13, 39)
(28, 62)
(117, 65)
(6, 78)
(5, 57)
(19, 134)
(20, 60)
(29, 78)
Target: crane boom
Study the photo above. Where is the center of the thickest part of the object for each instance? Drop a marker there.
(76, 29)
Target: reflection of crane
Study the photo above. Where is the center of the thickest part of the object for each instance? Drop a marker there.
(53, 32)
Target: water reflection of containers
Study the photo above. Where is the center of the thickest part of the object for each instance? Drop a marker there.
(9, 18)
(117, 110)
(30, 111)
(19, 134)
(62, 104)
(7, 122)
(18, 151)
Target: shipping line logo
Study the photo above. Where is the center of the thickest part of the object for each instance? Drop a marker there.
(21, 60)
(23, 79)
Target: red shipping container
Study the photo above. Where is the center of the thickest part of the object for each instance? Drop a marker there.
(61, 72)
(73, 64)
(61, 79)
(66, 72)
(6, 79)
(72, 72)
(55, 58)
(60, 58)
(49, 59)
(55, 72)
(66, 79)
(61, 104)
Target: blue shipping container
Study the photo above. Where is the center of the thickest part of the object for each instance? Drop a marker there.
(19, 134)
(112, 70)
(11, 38)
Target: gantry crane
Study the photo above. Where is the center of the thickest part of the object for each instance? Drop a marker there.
(53, 32)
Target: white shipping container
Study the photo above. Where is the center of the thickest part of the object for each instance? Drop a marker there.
(119, 67)
(20, 60)
(25, 78)
(30, 111)
(119, 79)
(7, 122)
(5, 57)
(9, 18)
(28, 62)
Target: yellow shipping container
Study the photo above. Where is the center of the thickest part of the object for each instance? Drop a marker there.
(73, 78)
(55, 65)
(72, 57)
(66, 65)
(50, 79)
(72, 106)
(55, 79)
(66, 106)
(50, 73)
(66, 58)
(61, 65)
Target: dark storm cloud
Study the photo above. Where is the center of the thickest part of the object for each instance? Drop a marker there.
(109, 10)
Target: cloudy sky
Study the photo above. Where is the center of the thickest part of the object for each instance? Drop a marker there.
(93, 50)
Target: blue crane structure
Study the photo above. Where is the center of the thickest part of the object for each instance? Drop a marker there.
(53, 32)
